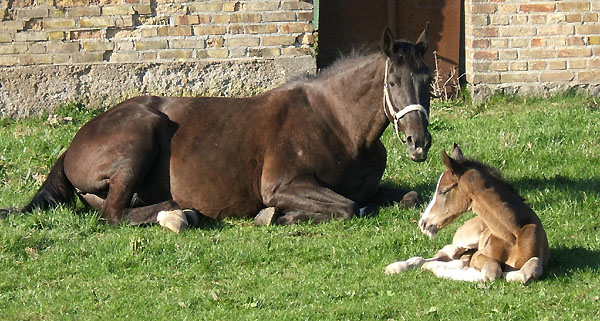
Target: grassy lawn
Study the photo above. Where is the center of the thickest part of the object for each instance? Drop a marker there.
(63, 264)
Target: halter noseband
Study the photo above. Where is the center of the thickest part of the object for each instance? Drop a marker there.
(389, 106)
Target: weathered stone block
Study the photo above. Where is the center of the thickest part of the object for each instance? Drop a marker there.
(264, 52)
(56, 35)
(589, 77)
(12, 25)
(35, 59)
(557, 65)
(209, 30)
(518, 77)
(553, 76)
(6, 37)
(143, 9)
(175, 31)
(8, 60)
(296, 51)
(572, 6)
(242, 41)
(126, 56)
(84, 34)
(151, 44)
(57, 23)
(117, 10)
(83, 11)
(296, 27)
(555, 30)
(245, 17)
(220, 53)
(187, 43)
(279, 16)
(98, 45)
(175, 54)
(587, 29)
(63, 47)
(305, 16)
(215, 42)
(255, 29)
(280, 40)
(27, 13)
(96, 22)
(206, 7)
(31, 36)
(261, 5)
(296, 5)
(187, 20)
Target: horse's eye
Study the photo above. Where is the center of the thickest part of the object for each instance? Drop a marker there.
(444, 192)
(392, 84)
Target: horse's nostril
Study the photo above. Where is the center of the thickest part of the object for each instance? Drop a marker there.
(409, 139)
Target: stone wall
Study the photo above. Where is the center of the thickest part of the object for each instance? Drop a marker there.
(532, 47)
(101, 51)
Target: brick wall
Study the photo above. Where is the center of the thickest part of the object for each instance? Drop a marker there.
(37, 34)
(117, 31)
(532, 47)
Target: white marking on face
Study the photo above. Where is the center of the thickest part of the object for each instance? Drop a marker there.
(425, 215)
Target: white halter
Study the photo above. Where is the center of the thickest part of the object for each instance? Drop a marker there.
(389, 106)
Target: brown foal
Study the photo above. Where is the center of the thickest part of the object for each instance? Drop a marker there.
(505, 239)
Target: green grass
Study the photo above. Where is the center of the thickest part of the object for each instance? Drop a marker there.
(63, 264)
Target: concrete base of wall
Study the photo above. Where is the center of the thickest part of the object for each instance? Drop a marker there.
(480, 93)
(30, 90)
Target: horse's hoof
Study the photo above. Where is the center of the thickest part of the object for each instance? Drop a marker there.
(411, 199)
(175, 221)
(266, 216)
(193, 217)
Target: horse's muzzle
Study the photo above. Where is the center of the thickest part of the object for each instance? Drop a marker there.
(417, 150)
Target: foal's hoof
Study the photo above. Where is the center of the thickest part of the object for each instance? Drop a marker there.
(402, 266)
(411, 199)
(266, 216)
(175, 221)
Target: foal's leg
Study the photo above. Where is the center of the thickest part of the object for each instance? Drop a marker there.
(308, 201)
(465, 239)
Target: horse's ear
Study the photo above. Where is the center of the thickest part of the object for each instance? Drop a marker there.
(457, 153)
(423, 41)
(387, 42)
(451, 164)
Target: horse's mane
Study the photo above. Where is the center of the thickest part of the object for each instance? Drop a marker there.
(489, 170)
(407, 51)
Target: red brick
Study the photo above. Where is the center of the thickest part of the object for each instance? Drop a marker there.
(578, 52)
(538, 42)
(536, 8)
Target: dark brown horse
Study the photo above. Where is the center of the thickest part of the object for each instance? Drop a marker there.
(310, 149)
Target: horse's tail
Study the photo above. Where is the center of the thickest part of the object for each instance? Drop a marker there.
(55, 190)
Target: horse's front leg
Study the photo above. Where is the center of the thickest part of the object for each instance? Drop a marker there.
(307, 201)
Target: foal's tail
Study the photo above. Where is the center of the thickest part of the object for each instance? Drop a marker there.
(54, 191)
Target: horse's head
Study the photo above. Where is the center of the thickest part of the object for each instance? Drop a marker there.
(450, 200)
(406, 91)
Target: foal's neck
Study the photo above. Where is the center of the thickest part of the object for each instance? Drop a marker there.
(500, 207)
(356, 91)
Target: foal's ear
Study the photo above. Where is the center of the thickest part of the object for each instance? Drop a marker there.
(387, 42)
(457, 153)
(451, 164)
(423, 40)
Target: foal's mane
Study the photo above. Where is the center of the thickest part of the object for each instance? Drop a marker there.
(489, 170)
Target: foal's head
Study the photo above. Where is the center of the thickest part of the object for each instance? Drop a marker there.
(450, 199)
(406, 91)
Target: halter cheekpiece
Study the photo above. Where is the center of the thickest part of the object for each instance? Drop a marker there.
(388, 105)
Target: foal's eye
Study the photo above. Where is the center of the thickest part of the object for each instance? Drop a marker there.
(392, 84)
(445, 191)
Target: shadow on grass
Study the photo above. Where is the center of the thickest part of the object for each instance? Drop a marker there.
(565, 261)
(573, 187)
